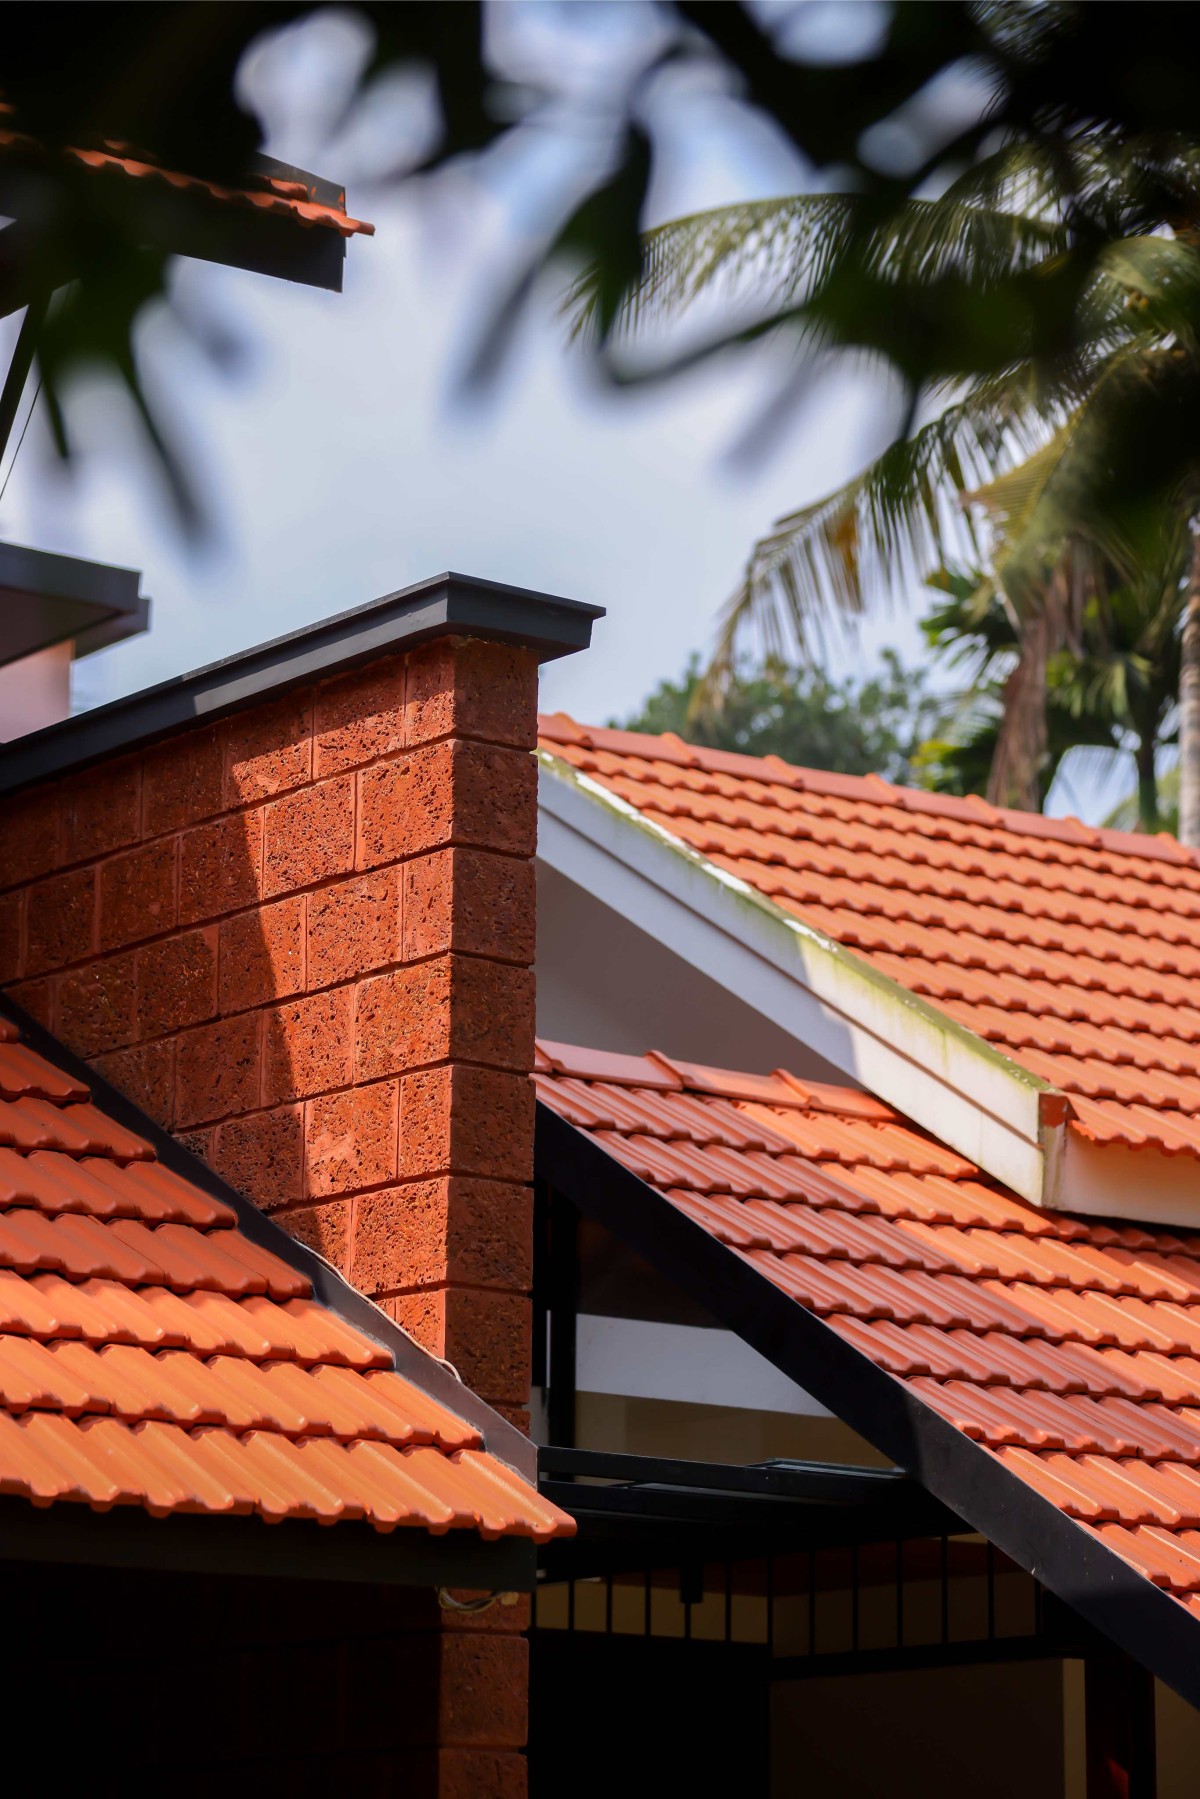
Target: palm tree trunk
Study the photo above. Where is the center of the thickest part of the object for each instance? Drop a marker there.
(1147, 780)
(1189, 707)
(1019, 760)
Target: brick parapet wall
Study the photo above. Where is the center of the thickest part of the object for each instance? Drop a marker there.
(303, 940)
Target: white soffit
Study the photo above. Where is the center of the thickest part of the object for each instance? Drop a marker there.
(685, 1364)
(896, 1044)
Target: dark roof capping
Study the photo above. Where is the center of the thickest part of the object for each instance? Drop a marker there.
(502, 1439)
(444, 606)
(1072, 1561)
(46, 599)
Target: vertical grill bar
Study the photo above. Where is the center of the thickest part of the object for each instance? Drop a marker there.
(854, 1597)
(945, 1565)
(899, 1592)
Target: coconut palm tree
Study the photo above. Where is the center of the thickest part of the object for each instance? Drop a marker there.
(1031, 460)
(1112, 692)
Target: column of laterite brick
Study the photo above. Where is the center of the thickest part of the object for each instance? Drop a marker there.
(454, 812)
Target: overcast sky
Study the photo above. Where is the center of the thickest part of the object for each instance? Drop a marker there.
(339, 460)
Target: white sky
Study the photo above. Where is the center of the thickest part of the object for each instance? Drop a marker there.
(339, 460)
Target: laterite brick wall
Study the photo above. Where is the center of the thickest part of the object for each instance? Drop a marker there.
(303, 939)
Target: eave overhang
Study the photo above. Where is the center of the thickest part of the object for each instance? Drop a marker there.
(895, 1044)
(1062, 1555)
(128, 1536)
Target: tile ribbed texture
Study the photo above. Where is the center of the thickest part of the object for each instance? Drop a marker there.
(1070, 1350)
(1074, 951)
(151, 1354)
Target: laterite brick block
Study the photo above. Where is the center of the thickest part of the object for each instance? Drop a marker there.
(261, 955)
(359, 717)
(464, 1120)
(350, 1139)
(325, 1227)
(217, 1070)
(61, 921)
(263, 1155)
(309, 836)
(484, 1333)
(464, 687)
(95, 1007)
(101, 809)
(30, 834)
(12, 907)
(177, 982)
(447, 793)
(268, 750)
(354, 927)
(470, 900)
(138, 894)
(308, 1046)
(452, 1229)
(220, 867)
(182, 781)
(146, 1073)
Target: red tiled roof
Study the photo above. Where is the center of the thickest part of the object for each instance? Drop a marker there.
(1069, 1350)
(262, 193)
(1075, 951)
(151, 1354)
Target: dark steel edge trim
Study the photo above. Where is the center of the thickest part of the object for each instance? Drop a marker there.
(1146, 1621)
(59, 577)
(116, 629)
(295, 1549)
(444, 605)
(501, 1438)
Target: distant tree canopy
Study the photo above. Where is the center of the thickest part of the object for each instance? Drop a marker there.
(872, 726)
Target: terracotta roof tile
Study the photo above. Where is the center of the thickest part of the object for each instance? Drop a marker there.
(276, 195)
(152, 1354)
(1075, 951)
(1068, 1348)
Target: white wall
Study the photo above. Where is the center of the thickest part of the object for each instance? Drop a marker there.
(603, 983)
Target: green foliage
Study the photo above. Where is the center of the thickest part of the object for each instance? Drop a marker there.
(997, 284)
(1112, 690)
(872, 726)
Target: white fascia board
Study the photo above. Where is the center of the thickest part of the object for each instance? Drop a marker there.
(684, 1364)
(897, 1045)
(1119, 1180)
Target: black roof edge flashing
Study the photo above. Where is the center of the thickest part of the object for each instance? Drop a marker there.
(1067, 1558)
(444, 606)
(501, 1438)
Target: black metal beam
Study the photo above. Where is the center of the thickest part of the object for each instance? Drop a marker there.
(779, 1479)
(1065, 1557)
(873, 1521)
(443, 606)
